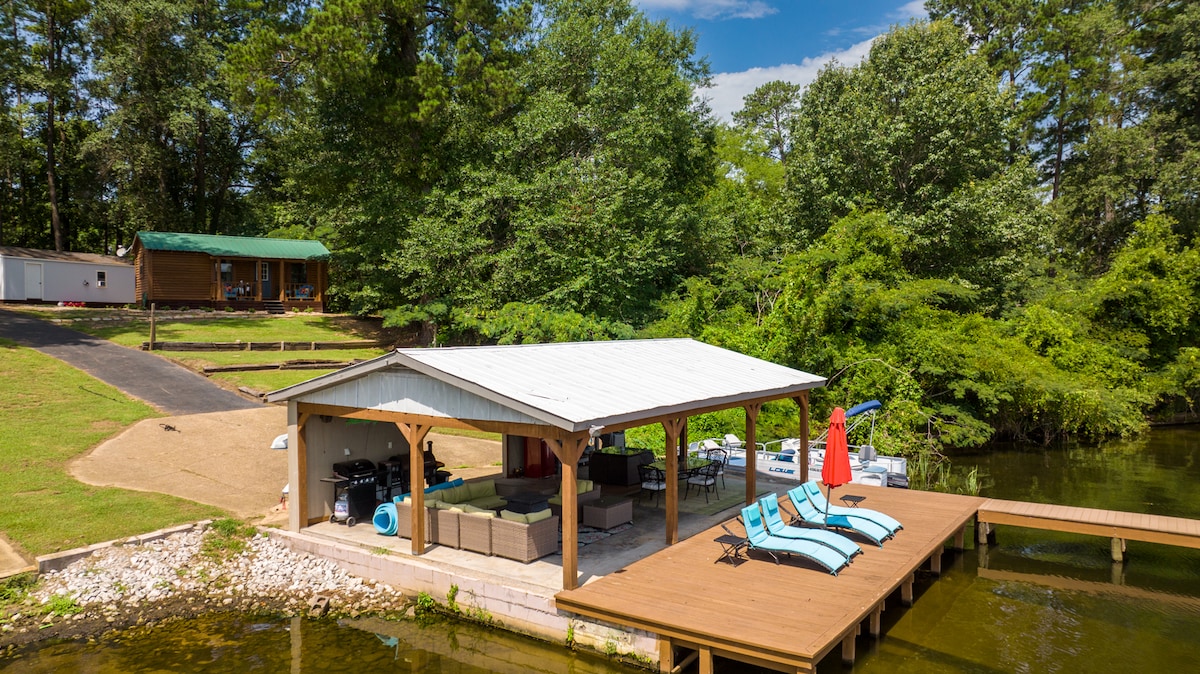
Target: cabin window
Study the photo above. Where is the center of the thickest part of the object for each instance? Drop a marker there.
(227, 272)
(298, 272)
(101, 279)
(264, 271)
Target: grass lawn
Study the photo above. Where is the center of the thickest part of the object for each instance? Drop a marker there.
(48, 420)
(217, 327)
(267, 380)
(287, 328)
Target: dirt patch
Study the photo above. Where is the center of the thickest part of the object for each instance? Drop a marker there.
(223, 459)
(220, 458)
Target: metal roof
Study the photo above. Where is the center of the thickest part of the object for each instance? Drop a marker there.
(234, 246)
(64, 256)
(574, 386)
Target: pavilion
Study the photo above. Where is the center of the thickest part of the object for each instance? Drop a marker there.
(564, 393)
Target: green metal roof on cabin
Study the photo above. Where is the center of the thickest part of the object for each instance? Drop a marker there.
(234, 246)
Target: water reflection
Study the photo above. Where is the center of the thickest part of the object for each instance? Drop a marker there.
(231, 643)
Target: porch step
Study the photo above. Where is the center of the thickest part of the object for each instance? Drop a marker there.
(274, 307)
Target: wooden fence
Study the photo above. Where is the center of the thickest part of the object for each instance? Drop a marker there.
(262, 346)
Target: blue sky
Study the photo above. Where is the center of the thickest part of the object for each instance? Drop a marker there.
(750, 42)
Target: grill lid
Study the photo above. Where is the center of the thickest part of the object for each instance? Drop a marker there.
(355, 468)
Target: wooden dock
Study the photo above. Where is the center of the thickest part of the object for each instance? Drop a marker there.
(1114, 524)
(784, 617)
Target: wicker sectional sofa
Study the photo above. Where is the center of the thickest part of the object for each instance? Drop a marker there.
(510, 535)
(586, 491)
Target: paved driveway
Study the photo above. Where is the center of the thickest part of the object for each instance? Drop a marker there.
(141, 374)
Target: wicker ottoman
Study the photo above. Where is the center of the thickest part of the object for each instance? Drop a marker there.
(607, 512)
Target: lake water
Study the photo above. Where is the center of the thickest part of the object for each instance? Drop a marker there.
(1033, 602)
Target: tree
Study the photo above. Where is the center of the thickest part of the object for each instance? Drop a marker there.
(171, 144)
(768, 111)
(585, 199)
(57, 50)
(373, 102)
(920, 130)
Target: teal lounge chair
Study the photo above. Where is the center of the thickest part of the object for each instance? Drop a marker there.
(776, 527)
(807, 513)
(813, 492)
(757, 538)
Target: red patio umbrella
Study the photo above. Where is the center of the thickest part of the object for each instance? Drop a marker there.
(836, 470)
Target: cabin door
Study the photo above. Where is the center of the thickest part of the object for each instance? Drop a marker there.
(264, 278)
(33, 281)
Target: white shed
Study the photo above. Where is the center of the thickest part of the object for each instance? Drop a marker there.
(32, 275)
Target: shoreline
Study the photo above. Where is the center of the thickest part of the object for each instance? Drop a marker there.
(130, 585)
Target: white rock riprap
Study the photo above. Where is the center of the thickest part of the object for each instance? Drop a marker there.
(266, 575)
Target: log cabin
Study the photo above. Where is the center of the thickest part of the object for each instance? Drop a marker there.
(198, 270)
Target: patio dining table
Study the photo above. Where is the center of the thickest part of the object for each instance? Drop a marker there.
(694, 464)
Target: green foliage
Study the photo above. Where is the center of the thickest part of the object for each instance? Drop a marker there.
(519, 323)
(62, 605)
(226, 538)
(919, 130)
(14, 589)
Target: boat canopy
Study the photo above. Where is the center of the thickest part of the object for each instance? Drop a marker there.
(869, 406)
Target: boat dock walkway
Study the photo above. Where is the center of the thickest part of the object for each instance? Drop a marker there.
(784, 617)
(1114, 524)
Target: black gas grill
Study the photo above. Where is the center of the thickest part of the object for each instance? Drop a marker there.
(357, 479)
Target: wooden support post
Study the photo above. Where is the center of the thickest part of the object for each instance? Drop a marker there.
(876, 625)
(415, 435)
(848, 649)
(906, 591)
(666, 655)
(569, 451)
(706, 659)
(297, 468)
(1118, 549)
(672, 428)
(752, 411)
(935, 562)
(983, 532)
(802, 401)
(153, 325)
(959, 539)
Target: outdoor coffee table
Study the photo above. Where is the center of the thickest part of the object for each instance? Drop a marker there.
(607, 512)
(852, 500)
(731, 548)
(527, 502)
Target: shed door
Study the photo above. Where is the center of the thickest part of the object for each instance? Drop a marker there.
(33, 280)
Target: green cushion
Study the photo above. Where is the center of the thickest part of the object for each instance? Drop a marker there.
(491, 502)
(513, 517)
(478, 512)
(538, 516)
(482, 489)
(583, 486)
(458, 494)
(556, 499)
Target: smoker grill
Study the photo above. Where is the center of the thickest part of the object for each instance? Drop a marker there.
(358, 480)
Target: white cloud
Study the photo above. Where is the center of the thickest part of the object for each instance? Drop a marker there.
(911, 10)
(728, 89)
(714, 9)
